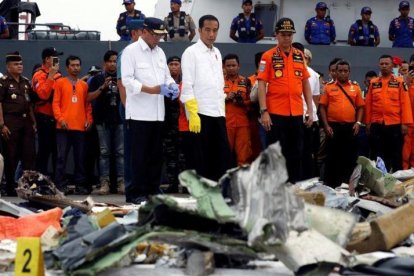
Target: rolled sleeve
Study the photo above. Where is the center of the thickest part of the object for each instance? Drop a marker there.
(132, 85)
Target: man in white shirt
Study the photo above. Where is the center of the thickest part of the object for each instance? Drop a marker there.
(203, 96)
(147, 81)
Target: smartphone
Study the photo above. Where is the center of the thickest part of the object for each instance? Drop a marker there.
(55, 60)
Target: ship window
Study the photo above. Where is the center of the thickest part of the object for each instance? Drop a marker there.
(268, 14)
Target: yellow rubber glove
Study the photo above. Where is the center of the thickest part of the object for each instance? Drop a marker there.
(194, 120)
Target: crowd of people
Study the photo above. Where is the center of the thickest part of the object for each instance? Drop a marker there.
(145, 117)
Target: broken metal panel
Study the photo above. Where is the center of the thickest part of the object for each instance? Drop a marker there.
(264, 205)
(374, 179)
(210, 202)
(7, 208)
(336, 225)
(307, 248)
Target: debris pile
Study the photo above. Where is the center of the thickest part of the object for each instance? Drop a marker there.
(250, 219)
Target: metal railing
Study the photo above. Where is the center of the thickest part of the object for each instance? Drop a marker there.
(56, 31)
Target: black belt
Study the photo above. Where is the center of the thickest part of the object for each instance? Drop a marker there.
(24, 115)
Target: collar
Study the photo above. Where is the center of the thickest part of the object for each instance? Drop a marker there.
(44, 68)
(348, 83)
(144, 45)
(237, 79)
(12, 78)
(204, 46)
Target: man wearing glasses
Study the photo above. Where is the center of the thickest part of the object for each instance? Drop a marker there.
(147, 81)
(124, 19)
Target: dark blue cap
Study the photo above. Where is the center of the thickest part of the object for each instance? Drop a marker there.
(155, 24)
(136, 24)
(247, 1)
(404, 4)
(128, 2)
(176, 1)
(321, 6)
(365, 10)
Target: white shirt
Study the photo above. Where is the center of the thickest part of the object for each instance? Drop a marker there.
(141, 65)
(203, 79)
(315, 88)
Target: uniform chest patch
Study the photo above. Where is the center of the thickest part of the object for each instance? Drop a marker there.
(393, 84)
(376, 85)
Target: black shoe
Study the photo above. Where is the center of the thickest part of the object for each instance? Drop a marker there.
(11, 192)
(137, 200)
(82, 190)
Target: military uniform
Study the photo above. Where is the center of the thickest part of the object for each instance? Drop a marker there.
(402, 31)
(247, 28)
(123, 21)
(179, 27)
(14, 98)
(320, 31)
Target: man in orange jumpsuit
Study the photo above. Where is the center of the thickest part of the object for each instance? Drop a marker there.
(237, 89)
(341, 110)
(73, 114)
(43, 82)
(408, 148)
(281, 107)
(388, 114)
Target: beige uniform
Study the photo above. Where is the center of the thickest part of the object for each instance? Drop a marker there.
(189, 26)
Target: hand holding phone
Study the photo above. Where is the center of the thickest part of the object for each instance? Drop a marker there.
(55, 60)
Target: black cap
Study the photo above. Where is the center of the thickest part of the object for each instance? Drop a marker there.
(285, 25)
(50, 52)
(15, 56)
(155, 24)
(173, 58)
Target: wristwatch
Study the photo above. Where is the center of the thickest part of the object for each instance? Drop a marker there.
(263, 110)
(359, 123)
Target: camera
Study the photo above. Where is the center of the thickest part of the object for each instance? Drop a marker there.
(238, 97)
(112, 92)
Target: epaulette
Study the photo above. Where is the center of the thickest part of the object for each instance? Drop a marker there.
(330, 82)
(4, 78)
(355, 83)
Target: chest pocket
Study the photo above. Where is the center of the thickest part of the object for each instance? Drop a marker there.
(144, 70)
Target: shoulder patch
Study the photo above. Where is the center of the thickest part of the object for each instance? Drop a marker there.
(262, 66)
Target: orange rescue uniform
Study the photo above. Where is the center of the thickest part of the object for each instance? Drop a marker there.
(387, 102)
(408, 148)
(43, 86)
(284, 74)
(340, 110)
(237, 120)
(70, 104)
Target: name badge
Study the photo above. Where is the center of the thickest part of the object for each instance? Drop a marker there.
(74, 99)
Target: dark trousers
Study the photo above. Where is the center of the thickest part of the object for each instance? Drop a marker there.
(146, 158)
(211, 148)
(288, 130)
(127, 155)
(66, 139)
(341, 154)
(387, 142)
(46, 136)
(19, 147)
(91, 154)
(310, 151)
